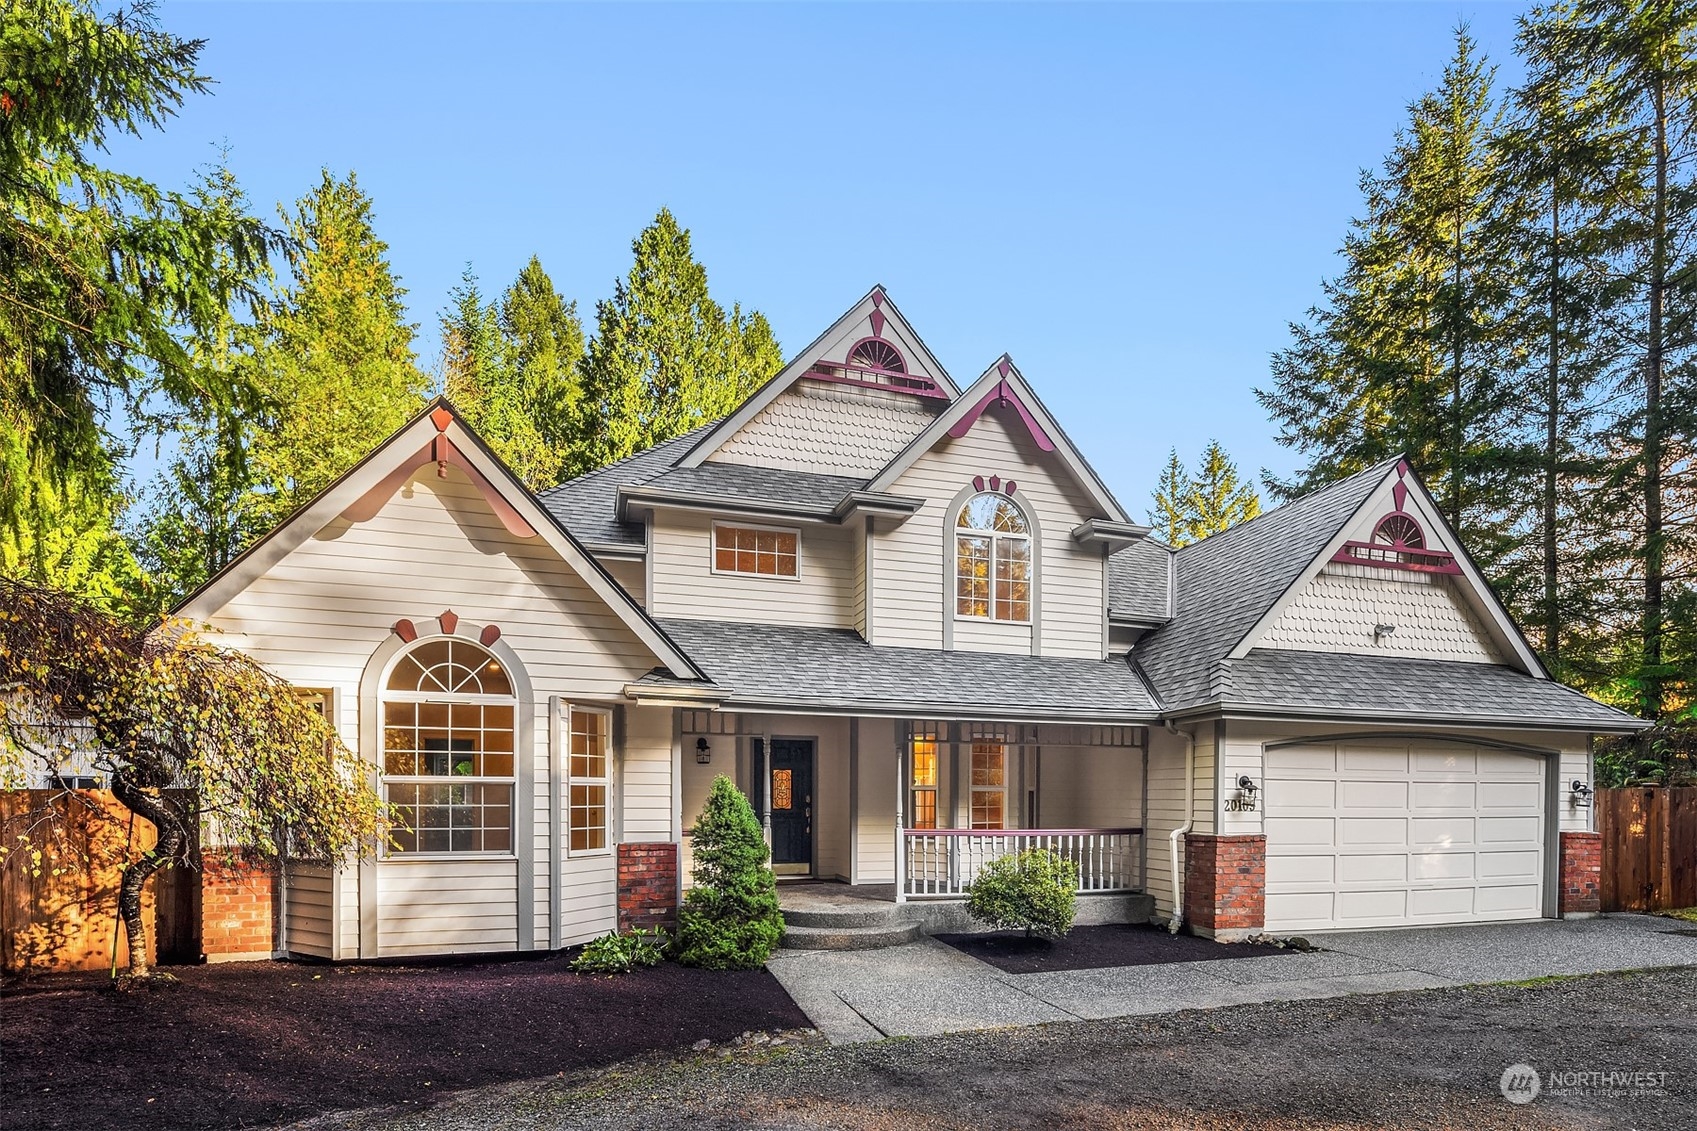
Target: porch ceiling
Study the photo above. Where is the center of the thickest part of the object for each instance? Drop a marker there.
(781, 667)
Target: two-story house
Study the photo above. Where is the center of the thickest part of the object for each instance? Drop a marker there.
(919, 631)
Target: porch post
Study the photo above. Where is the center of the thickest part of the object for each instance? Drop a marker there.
(901, 841)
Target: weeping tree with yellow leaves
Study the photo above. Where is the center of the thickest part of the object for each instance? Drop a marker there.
(189, 734)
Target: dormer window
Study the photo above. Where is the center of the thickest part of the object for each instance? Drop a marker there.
(874, 353)
(992, 560)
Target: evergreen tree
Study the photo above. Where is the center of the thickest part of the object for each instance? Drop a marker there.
(666, 357)
(1189, 507)
(1170, 515)
(730, 918)
(336, 362)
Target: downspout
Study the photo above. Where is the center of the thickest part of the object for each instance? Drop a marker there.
(1189, 820)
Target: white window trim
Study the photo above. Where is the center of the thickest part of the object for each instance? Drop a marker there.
(972, 790)
(996, 537)
(575, 780)
(713, 551)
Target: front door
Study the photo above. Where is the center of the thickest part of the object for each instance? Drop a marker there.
(791, 797)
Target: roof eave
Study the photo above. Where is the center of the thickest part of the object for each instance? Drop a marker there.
(1243, 710)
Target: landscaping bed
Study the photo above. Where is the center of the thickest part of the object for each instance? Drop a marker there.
(255, 1043)
(1095, 948)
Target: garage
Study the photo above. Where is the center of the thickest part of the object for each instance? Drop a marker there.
(1395, 833)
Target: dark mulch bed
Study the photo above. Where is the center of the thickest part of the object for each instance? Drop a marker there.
(256, 1043)
(1093, 948)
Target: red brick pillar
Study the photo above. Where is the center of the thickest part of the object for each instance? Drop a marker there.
(1580, 893)
(1225, 885)
(648, 885)
(237, 909)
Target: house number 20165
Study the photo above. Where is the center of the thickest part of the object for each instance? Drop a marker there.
(1240, 805)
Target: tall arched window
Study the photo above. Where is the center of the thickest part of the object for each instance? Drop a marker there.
(448, 709)
(992, 560)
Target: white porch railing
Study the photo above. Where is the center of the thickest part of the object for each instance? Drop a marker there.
(940, 863)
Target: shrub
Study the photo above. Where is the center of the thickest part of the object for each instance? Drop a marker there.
(730, 918)
(1032, 890)
(620, 954)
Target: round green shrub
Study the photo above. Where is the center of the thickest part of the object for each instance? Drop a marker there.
(1034, 891)
(730, 918)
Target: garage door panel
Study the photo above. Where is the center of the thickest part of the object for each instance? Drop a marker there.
(1440, 795)
(1372, 795)
(1387, 834)
(1357, 831)
(1373, 868)
(1440, 832)
(1300, 830)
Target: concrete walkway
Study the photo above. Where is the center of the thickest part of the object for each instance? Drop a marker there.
(926, 988)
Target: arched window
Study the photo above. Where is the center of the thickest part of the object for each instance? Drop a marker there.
(1399, 530)
(992, 560)
(448, 727)
(877, 354)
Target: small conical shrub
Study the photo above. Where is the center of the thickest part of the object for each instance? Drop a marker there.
(730, 918)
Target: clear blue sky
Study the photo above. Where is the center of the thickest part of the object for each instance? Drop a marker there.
(1131, 200)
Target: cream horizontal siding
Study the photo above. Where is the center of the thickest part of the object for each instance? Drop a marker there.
(1239, 754)
(828, 428)
(310, 926)
(686, 586)
(317, 616)
(1090, 787)
(1574, 764)
(1338, 610)
(1166, 805)
(646, 780)
(875, 808)
(859, 566)
(973, 634)
(588, 898)
(914, 574)
(631, 576)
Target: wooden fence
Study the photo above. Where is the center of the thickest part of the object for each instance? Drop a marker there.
(1649, 847)
(66, 917)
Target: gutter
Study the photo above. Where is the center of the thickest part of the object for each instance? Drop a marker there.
(1189, 821)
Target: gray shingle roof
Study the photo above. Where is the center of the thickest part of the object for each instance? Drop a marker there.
(830, 668)
(1228, 582)
(587, 505)
(1335, 685)
(1139, 580)
(760, 484)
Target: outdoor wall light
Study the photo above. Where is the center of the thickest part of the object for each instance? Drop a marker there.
(703, 752)
(1247, 784)
(1581, 794)
(1380, 631)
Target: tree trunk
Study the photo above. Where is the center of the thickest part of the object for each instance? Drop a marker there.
(1457, 344)
(1552, 442)
(149, 805)
(1653, 412)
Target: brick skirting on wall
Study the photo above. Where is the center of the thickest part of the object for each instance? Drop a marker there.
(1225, 885)
(1581, 889)
(237, 909)
(648, 885)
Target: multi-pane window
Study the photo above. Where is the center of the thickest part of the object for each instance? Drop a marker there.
(591, 781)
(448, 727)
(989, 785)
(992, 560)
(923, 782)
(759, 550)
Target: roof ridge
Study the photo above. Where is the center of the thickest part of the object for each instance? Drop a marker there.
(618, 463)
(1324, 489)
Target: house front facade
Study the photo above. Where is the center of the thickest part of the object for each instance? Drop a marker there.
(918, 631)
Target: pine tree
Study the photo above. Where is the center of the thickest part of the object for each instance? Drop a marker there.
(665, 357)
(730, 918)
(1191, 506)
(336, 362)
(544, 338)
(1171, 513)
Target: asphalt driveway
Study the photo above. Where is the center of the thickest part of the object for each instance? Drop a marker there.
(927, 988)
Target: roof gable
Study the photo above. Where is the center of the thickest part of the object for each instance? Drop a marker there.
(1003, 388)
(874, 327)
(436, 435)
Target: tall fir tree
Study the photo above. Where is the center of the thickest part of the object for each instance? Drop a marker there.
(1170, 514)
(336, 362)
(665, 357)
(1190, 506)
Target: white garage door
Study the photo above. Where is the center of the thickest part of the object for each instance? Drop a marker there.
(1386, 833)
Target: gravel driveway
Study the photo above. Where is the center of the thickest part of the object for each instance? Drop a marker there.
(1423, 1059)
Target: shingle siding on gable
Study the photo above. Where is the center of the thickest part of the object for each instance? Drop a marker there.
(822, 596)
(835, 429)
(1340, 607)
(910, 598)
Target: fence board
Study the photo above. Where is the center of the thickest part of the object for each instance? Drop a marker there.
(1649, 847)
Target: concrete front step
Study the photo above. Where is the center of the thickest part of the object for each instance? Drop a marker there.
(849, 938)
(861, 913)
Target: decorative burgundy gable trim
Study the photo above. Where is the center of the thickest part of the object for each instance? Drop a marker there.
(1398, 540)
(1003, 396)
(489, 635)
(442, 452)
(406, 631)
(997, 483)
(449, 620)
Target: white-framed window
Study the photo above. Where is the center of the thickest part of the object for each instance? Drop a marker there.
(757, 551)
(589, 773)
(992, 560)
(922, 779)
(989, 799)
(448, 734)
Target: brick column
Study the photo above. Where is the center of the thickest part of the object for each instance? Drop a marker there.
(1580, 894)
(1225, 885)
(648, 885)
(237, 910)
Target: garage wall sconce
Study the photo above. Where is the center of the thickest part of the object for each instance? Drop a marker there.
(1581, 794)
(1244, 802)
(703, 752)
(1246, 785)
(1380, 631)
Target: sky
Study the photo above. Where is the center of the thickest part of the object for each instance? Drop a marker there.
(1132, 200)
